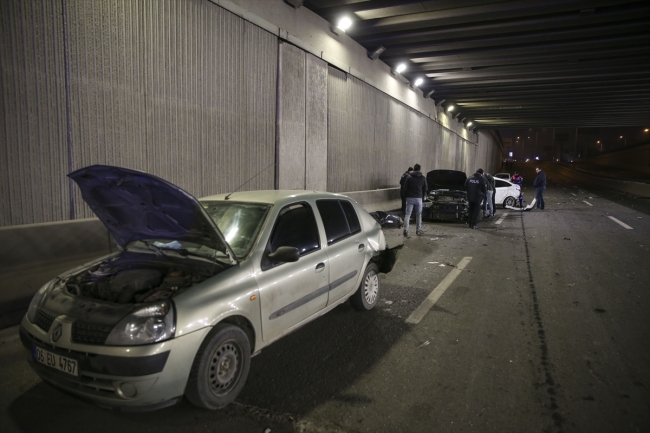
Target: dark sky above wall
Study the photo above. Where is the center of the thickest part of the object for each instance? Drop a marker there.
(545, 143)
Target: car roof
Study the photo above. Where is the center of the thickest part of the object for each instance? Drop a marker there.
(272, 196)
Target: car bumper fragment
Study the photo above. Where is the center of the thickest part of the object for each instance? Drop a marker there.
(388, 258)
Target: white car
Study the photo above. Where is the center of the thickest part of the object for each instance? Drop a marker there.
(505, 176)
(506, 192)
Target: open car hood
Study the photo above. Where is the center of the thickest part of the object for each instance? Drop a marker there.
(134, 205)
(446, 179)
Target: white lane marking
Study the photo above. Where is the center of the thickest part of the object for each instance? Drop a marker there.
(433, 297)
(502, 218)
(621, 223)
(585, 201)
(574, 194)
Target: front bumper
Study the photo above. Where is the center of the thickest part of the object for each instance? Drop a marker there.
(447, 210)
(136, 378)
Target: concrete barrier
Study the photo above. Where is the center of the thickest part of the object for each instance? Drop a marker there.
(386, 199)
(637, 188)
(31, 255)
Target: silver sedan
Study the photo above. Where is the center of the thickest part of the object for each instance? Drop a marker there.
(197, 288)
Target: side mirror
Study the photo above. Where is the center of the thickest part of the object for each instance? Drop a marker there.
(285, 255)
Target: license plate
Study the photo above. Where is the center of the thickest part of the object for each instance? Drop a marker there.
(58, 362)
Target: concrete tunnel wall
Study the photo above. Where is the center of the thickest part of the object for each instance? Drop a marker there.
(190, 91)
(206, 95)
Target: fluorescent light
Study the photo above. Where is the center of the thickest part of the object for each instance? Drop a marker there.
(400, 68)
(418, 82)
(344, 23)
(469, 124)
(450, 108)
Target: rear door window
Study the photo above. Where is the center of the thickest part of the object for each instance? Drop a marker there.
(339, 218)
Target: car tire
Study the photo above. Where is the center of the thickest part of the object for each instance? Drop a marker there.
(220, 368)
(509, 201)
(366, 296)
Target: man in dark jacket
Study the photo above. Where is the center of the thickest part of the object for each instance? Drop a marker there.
(476, 192)
(540, 186)
(415, 188)
(402, 193)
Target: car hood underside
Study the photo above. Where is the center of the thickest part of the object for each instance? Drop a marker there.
(134, 205)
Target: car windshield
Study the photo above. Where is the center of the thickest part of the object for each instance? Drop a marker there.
(239, 222)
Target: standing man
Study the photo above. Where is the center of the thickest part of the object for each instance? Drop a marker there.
(488, 203)
(415, 187)
(540, 186)
(402, 192)
(476, 191)
(518, 180)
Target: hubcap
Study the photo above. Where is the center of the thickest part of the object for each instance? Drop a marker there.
(371, 287)
(224, 368)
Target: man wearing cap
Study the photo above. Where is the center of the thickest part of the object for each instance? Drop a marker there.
(476, 192)
(402, 191)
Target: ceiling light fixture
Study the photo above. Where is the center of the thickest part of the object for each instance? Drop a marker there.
(450, 108)
(374, 55)
(399, 69)
(343, 24)
(418, 82)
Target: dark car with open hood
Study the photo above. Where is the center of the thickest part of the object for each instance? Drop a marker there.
(447, 197)
(197, 288)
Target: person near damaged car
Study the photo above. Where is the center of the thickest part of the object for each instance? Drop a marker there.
(488, 203)
(402, 193)
(517, 179)
(540, 185)
(415, 188)
(476, 193)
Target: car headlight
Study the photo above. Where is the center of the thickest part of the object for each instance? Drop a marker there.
(149, 324)
(36, 301)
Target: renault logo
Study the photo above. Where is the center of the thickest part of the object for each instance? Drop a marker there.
(56, 334)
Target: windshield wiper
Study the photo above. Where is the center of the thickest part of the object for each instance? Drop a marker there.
(153, 248)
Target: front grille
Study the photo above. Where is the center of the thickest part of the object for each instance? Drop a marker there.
(43, 320)
(87, 333)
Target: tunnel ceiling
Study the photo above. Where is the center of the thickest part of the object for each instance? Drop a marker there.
(515, 64)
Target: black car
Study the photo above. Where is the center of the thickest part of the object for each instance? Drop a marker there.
(447, 197)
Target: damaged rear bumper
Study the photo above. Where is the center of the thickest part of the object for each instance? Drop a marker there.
(387, 258)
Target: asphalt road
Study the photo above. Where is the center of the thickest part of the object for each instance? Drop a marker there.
(545, 329)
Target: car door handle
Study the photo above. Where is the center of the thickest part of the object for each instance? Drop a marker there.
(320, 267)
(361, 247)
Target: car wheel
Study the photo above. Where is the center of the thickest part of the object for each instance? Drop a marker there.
(509, 201)
(220, 368)
(365, 298)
